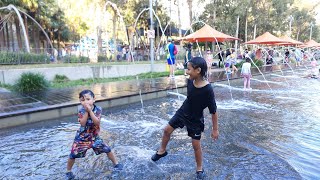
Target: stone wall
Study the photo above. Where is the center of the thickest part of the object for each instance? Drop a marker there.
(10, 76)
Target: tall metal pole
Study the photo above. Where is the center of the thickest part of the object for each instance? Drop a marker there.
(311, 25)
(151, 39)
(291, 18)
(237, 32)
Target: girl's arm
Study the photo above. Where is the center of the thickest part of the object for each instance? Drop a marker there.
(215, 127)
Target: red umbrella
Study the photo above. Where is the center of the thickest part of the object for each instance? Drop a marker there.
(290, 41)
(266, 38)
(310, 43)
(208, 34)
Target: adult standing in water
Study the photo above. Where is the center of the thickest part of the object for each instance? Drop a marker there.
(170, 56)
(187, 57)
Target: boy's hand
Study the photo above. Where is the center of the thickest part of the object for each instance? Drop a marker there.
(215, 134)
(87, 107)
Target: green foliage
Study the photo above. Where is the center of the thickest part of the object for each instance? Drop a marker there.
(29, 82)
(82, 82)
(22, 58)
(60, 78)
(266, 15)
(257, 62)
(102, 58)
(76, 59)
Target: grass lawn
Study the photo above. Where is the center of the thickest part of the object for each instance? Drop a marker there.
(65, 83)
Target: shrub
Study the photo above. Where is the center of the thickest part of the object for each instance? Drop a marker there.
(60, 78)
(257, 62)
(23, 58)
(102, 58)
(29, 82)
(75, 59)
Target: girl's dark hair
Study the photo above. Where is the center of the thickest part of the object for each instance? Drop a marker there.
(82, 93)
(199, 62)
(248, 60)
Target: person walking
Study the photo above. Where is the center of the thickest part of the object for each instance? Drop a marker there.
(170, 57)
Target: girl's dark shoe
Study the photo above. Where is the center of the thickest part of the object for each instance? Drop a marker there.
(69, 176)
(157, 156)
(118, 167)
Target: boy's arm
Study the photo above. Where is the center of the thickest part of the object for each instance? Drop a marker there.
(95, 117)
(215, 127)
(83, 117)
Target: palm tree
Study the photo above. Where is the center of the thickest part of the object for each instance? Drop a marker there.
(190, 10)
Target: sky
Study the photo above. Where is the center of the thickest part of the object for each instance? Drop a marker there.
(184, 10)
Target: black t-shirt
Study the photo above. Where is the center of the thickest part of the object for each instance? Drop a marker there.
(197, 100)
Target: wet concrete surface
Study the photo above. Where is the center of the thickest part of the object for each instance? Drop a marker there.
(12, 103)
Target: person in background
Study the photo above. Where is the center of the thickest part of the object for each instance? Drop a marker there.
(170, 57)
(246, 74)
(187, 57)
(209, 59)
(286, 57)
(315, 69)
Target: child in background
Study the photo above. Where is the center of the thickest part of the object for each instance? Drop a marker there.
(315, 70)
(87, 136)
(199, 96)
(246, 74)
(209, 59)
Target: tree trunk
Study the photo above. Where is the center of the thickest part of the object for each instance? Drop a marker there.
(26, 27)
(6, 33)
(179, 20)
(35, 34)
(18, 32)
(115, 34)
(2, 36)
(99, 40)
(11, 36)
(190, 10)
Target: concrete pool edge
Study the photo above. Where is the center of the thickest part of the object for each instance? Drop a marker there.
(69, 109)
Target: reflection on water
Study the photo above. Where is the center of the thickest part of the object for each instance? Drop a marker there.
(262, 136)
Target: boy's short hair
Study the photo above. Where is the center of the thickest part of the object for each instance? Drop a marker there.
(87, 91)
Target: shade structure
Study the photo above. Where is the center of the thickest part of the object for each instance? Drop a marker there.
(266, 38)
(310, 43)
(290, 41)
(208, 34)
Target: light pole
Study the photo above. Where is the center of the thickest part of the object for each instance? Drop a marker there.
(290, 22)
(151, 39)
(311, 25)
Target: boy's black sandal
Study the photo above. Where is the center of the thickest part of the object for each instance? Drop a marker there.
(157, 156)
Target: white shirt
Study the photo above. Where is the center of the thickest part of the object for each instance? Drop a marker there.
(246, 68)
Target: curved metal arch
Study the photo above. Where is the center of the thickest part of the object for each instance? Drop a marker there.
(26, 41)
(17, 11)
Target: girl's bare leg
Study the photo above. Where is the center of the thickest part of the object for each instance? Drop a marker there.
(197, 153)
(165, 138)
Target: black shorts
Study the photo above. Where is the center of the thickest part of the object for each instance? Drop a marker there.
(194, 129)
